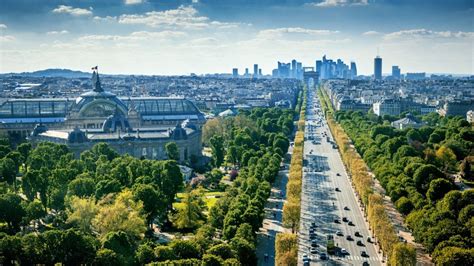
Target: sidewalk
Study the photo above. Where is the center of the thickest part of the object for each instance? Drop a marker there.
(272, 223)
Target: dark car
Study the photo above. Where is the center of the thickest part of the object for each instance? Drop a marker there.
(359, 243)
(323, 256)
(338, 174)
(357, 234)
(339, 233)
(349, 238)
(314, 243)
(337, 189)
(337, 221)
(313, 225)
(350, 223)
(365, 263)
(344, 219)
(346, 208)
(369, 239)
(363, 254)
(312, 236)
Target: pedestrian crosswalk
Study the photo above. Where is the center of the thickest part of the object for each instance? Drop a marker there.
(347, 258)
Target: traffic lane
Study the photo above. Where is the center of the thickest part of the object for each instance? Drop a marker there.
(356, 215)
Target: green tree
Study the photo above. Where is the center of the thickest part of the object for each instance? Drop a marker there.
(218, 152)
(438, 188)
(81, 213)
(244, 250)
(185, 249)
(153, 203)
(11, 249)
(81, 187)
(121, 243)
(455, 256)
(34, 211)
(107, 257)
(172, 151)
(8, 171)
(404, 205)
(123, 214)
(107, 186)
(223, 251)
(423, 176)
(190, 215)
(211, 260)
(403, 255)
(11, 210)
(447, 157)
(145, 254)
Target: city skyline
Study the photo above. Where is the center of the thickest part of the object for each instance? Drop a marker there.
(183, 37)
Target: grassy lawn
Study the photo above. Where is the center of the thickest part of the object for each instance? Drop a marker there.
(210, 198)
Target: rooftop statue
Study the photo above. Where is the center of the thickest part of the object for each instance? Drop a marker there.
(96, 81)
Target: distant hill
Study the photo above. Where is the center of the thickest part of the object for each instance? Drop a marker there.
(53, 72)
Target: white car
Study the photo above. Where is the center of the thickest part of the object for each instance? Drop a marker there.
(344, 251)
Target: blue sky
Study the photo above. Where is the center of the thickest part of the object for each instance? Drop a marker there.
(213, 36)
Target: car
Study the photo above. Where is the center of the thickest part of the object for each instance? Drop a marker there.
(311, 230)
(306, 263)
(313, 225)
(344, 252)
(363, 254)
(369, 239)
(351, 223)
(365, 263)
(346, 208)
(344, 219)
(337, 221)
(338, 174)
(349, 238)
(313, 250)
(306, 258)
(312, 236)
(359, 243)
(357, 234)
(323, 256)
(337, 189)
(314, 243)
(339, 233)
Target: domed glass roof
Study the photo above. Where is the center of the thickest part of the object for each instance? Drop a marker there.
(98, 103)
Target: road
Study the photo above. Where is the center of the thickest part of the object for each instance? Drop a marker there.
(272, 223)
(321, 204)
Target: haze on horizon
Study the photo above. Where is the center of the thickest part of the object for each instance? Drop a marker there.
(167, 37)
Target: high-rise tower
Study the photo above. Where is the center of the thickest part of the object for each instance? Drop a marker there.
(378, 68)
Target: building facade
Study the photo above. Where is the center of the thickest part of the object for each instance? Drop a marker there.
(140, 126)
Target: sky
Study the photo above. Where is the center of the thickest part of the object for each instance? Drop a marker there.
(168, 37)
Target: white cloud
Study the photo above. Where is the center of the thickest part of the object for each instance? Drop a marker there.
(183, 16)
(136, 36)
(371, 33)
(133, 2)
(57, 32)
(72, 10)
(105, 19)
(335, 3)
(3, 26)
(281, 32)
(424, 33)
(7, 38)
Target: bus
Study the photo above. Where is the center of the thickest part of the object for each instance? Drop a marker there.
(330, 247)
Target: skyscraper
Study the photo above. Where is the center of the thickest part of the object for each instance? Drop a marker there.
(319, 64)
(396, 72)
(378, 68)
(235, 72)
(255, 70)
(293, 68)
(353, 70)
